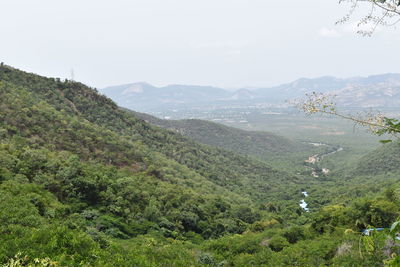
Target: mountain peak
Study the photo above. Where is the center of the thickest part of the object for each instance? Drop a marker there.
(137, 88)
(146, 97)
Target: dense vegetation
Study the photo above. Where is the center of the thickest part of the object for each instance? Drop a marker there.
(383, 160)
(83, 182)
(263, 145)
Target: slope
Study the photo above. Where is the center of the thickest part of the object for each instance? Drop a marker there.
(84, 183)
(241, 174)
(68, 116)
(263, 145)
(380, 161)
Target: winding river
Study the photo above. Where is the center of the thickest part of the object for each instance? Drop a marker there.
(312, 160)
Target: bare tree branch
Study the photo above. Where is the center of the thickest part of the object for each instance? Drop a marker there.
(382, 12)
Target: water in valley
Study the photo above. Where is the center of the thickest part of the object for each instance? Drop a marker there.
(312, 160)
(303, 203)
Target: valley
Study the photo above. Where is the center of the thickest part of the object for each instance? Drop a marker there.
(133, 189)
(153, 133)
(315, 172)
(314, 159)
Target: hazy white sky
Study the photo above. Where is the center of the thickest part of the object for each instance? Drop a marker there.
(227, 43)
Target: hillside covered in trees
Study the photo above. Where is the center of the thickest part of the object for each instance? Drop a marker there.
(262, 145)
(84, 182)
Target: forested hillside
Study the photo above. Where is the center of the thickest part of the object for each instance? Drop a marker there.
(383, 160)
(264, 145)
(85, 183)
(65, 141)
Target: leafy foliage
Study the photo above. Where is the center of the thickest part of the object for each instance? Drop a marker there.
(83, 182)
(263, 145)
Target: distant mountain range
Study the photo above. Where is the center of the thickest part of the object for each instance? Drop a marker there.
(143, 96)
(372, 91)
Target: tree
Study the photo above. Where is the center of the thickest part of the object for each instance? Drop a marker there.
(387, 13)
(377, 123)
(381, 13)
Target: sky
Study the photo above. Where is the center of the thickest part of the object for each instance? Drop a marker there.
(225, 43)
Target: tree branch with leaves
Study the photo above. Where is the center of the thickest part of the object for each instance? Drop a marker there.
(381, 13)
(376, 122)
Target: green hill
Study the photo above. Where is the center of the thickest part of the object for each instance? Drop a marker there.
(85, 183)
(71, 155)
(101, 131)
(264, 145)
(380, 161)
